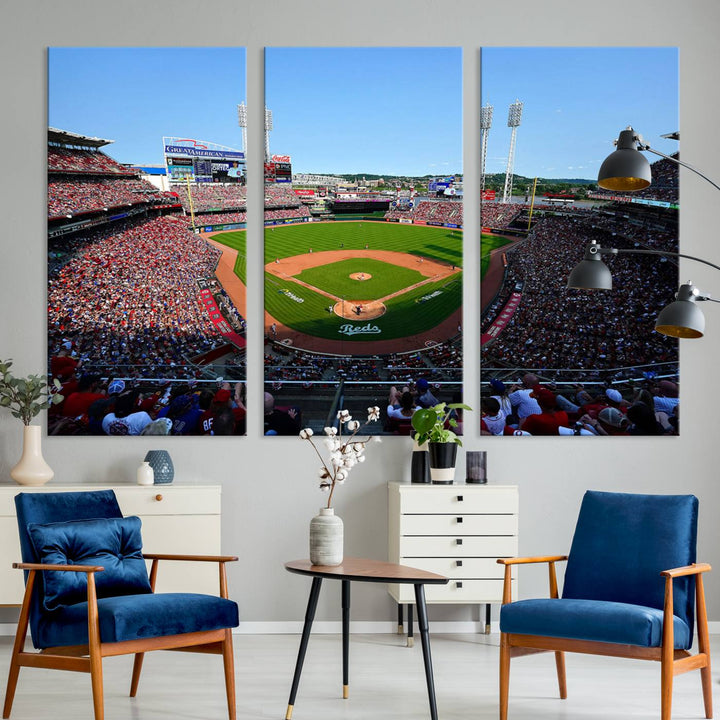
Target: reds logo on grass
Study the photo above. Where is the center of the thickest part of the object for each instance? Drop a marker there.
(368, 329)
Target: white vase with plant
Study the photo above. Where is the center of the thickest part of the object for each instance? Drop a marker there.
(435, 426)
(345, 452)
(26, 398)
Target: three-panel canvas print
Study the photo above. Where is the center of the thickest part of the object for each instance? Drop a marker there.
(364, 239)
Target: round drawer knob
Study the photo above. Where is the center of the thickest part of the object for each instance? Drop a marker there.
(158, 497)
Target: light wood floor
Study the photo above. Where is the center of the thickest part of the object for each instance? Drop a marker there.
(386, 683)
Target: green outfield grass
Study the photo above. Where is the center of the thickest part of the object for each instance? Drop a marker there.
(236, 240)
(431, 242)
(335, 278)
(488, 243)
(405, 315)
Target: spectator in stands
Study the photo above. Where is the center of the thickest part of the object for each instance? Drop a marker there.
(521, 397)
(493, 417)
(643, 420)
(666, 397)
(425, 398)
(280, 421)
(125, 419)
(77, 404)
(549, 419)
(401, 405)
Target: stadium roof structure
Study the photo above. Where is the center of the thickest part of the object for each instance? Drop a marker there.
(64, 137)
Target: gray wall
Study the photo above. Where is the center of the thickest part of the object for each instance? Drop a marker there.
(269, 484)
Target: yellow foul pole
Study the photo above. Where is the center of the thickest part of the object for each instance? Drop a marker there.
(532, 204)
(192, 209)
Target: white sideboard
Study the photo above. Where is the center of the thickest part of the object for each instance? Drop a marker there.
(455, 530)
(176, 518)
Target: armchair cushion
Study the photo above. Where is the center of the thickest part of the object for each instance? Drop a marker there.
(597, 620)
(138, 616)
(113, 543)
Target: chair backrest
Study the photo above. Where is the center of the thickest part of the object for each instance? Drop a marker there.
(623, 541)
(44, 508)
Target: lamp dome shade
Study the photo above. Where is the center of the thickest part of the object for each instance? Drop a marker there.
(681, 319)
(626, 169)
(590, 275)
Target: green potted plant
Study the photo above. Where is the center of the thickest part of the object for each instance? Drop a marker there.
(26, 398)
(434, 426)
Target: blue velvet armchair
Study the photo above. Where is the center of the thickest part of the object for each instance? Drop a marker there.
(88, 594)
(632, 589)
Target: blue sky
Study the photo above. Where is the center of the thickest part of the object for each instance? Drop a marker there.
(375, 110)
(575, 102)
(135, 96)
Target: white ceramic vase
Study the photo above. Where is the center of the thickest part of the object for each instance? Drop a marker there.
(32, 468)
(145, 474)
(326, 538)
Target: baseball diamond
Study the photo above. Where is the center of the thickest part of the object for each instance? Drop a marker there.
(362, 287)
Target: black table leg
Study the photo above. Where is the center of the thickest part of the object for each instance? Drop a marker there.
(425, 640)
(487, 618)
(410, 637)
(346, 635)
(309, 615)
(400, 629)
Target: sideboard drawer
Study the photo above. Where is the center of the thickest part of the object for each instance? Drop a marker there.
(458, 525)
(456, 591)
(166, 500)
(459, 499)
(473, 568)
(457, 546)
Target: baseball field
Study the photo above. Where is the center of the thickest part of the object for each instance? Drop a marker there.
(361, 282)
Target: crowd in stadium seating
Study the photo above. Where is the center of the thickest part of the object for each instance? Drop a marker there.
(498, 215)
(79, 195)
(213, 196)
(533, 407)
(116, 312)
(281, 195)
(223, 218)
(441, 211)
(62, 159)
(558, 328)
(298, 212)
(93, 406)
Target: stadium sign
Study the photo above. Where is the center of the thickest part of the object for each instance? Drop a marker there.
(292, 296)
(281, 159)
(368, 329)
(425, 298)
(199, 152)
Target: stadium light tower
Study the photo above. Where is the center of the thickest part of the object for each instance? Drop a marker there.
(268, 128)
(242, 122)
(486, 115)
(514, 116)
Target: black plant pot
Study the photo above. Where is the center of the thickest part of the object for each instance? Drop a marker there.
(442, 462)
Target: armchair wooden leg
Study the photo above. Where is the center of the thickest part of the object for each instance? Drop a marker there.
(562, 682)
(704, 645)
(137, 667)
(504, 675)
(96, 671)
(96, 677)
(229, 665)
(19, 645)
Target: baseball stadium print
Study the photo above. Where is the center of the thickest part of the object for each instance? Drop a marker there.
(363, 235)
(146, 240)
(559, 358)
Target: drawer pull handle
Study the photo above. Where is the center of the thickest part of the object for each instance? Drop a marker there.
(458, 541)
(460, 498)
(458, 585)
(458, 563)
(458, 519)
(158, 497)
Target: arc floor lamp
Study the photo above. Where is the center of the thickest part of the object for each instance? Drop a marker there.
(628, 170)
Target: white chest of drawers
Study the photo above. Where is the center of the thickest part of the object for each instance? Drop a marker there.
(455, 530)
(176, 518)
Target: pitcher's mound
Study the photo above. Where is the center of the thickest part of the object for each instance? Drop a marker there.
(360, 276)
(359, 309)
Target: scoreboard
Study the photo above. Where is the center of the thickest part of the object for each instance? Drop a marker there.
(202, 161)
